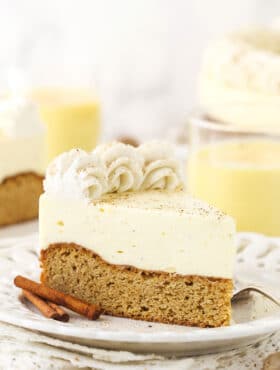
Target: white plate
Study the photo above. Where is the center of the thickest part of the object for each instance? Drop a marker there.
(258, 260)
(22, 229)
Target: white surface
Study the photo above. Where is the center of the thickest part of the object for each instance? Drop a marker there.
(258, 261)
(27, 350)
(172, 241)
(16, 231)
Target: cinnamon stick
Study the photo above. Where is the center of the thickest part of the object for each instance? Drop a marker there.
(272, 362)
(41, 305)
(91, 311)
(63, 316)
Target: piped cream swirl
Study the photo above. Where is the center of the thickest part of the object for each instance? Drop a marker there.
(124, 166)
(77, 174)
(161, 170)
(113, 167)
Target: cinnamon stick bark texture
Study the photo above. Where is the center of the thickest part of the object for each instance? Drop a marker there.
(63, 316)
(91, 311)
(272, 362)
(42, 306)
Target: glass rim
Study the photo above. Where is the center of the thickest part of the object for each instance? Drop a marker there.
(200, 119)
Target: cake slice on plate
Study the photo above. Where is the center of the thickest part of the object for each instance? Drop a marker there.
(117, 229)
(21, 160)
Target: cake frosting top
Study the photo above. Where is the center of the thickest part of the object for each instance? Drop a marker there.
(114, 167)
(19, 118)
(248, 59)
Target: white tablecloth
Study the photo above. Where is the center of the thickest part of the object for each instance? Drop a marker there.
(22, 349)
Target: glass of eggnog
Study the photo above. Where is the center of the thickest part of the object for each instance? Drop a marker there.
(237, 171)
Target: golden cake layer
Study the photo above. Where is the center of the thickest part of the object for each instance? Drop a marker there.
(19, 196)
(130, 292)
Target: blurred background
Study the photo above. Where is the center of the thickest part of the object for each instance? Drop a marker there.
(142, 57)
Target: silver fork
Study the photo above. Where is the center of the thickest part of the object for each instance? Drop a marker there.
(241, 292)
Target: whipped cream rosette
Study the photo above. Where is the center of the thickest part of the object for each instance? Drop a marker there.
(161, 169)
(114, 167)
(124, 166)
(78, 174)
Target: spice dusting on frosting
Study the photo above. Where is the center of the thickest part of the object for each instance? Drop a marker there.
(157, 200)
(114, 168)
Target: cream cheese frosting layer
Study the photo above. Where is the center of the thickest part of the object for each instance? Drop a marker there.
(113, 167)
(21, 155)
(22, 138)
(151, 230)
(19, 118)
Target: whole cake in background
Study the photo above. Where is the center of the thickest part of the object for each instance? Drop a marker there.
(117, 229)
(21, 160)
(240, 79)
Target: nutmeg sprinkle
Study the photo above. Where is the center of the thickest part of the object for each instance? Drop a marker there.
(157, 200)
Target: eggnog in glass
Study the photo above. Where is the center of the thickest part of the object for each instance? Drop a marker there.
(69, 107)
(237, 171)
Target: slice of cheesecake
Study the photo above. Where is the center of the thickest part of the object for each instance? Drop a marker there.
(21, 161)
(155, 255)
